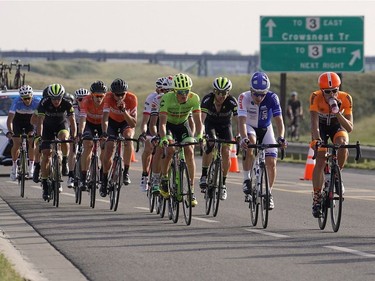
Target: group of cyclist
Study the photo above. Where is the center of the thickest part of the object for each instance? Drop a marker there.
(172, 113)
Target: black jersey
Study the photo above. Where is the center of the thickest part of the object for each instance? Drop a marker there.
(224, 116)
(55, 115)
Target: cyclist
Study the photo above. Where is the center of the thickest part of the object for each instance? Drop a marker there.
(76, 101)
(256, 109)
(153, 127)
(55, 117)
(294, 114)
(21, 115)
(146, 135)
(331, 117)
(91, 114)
(218, 107)
(119, 112)
(175, 107)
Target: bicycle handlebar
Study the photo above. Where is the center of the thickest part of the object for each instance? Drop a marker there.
(215, 140)
(177, 144)
(335, 147)
(263, 146)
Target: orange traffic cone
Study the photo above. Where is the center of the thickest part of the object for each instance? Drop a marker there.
(132, 159)
(233, 160)
(310, 164)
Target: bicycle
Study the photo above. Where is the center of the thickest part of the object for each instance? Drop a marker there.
(19, 79)
(215, 176)
(54, 178)
(23, 163)
(260, 192)
(179, 183)
(4, 82)
(115, 172)
(93, 173)
(332, 194)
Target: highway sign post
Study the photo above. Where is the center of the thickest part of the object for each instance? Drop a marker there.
(312, 44)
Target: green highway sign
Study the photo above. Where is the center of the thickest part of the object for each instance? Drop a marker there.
(314, 43)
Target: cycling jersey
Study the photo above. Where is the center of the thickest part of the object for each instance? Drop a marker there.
(326, 117)
(21, 111)
(110, 105)
(92, 112)
(178, 113)
(259, 116)
(55, 115)
(224, 117)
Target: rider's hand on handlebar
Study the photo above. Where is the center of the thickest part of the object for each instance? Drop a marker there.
(244, 142)
(282, 142)
(315, 143)
(142, 137)
(163, 142)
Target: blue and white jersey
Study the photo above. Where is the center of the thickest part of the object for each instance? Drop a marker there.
(259, 116)
(19, 107)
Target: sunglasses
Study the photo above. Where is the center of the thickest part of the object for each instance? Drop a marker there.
(99, 96)
(182, 92)
(258, 93)
(57, 99)
(329, 91)
(221, 93)
(79, 99)
(119, 94)
(26, 98)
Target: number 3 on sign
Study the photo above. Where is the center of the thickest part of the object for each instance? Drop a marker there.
(315, 51)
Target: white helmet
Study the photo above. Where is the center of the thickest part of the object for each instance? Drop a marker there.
(168, 83)
(26, 91)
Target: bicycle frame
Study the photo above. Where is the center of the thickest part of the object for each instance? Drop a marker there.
(93, 173)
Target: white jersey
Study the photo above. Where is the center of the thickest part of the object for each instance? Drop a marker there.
(148, 103)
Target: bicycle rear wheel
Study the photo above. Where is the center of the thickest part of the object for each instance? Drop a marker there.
(336, 198)
(208, 196)
(174, 205)
(185, 192)
(264, 196)
(253, 204)
(322, 220)
(218, 183)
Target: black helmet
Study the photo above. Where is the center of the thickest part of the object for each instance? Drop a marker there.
(69, 97)
(119, 86)
(45, 92)
(98, 87)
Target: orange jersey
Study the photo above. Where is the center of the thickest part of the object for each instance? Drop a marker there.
(92, 112)
(318, 104)
(110, 105)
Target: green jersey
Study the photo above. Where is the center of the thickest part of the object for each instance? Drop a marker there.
(177, 112)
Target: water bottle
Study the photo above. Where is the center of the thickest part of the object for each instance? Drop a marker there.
(334, 106)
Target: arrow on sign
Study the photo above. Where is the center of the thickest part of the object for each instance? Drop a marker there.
(270, 25)
(356, 55)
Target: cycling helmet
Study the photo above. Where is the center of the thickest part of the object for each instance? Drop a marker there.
(26, 91)
(222, 84)
(182, 81)
(260, 82)
(56, 91)
(81, 93)
(329, 80)
(159, 82)
(168, 83)
(69, 97)
(98, 87)
(119, 86)
(293, 94)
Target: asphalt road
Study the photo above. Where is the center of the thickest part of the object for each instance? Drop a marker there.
(134, 244)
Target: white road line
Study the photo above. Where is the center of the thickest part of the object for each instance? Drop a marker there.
(277, 235)
(350, 251)
(205, 220)
(142, 208)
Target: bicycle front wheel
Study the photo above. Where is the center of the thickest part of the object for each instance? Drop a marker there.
(22, 174)
(253, 204)
(336, 198)
(208, 196)
(218, 183)
(77, 177)
(322, 220)
(185, 192)
(117, 185)
(264, 196)
(93, 181)
(56, 181)
(174, 205)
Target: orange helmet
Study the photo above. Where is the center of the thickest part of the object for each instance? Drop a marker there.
(329, 80)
